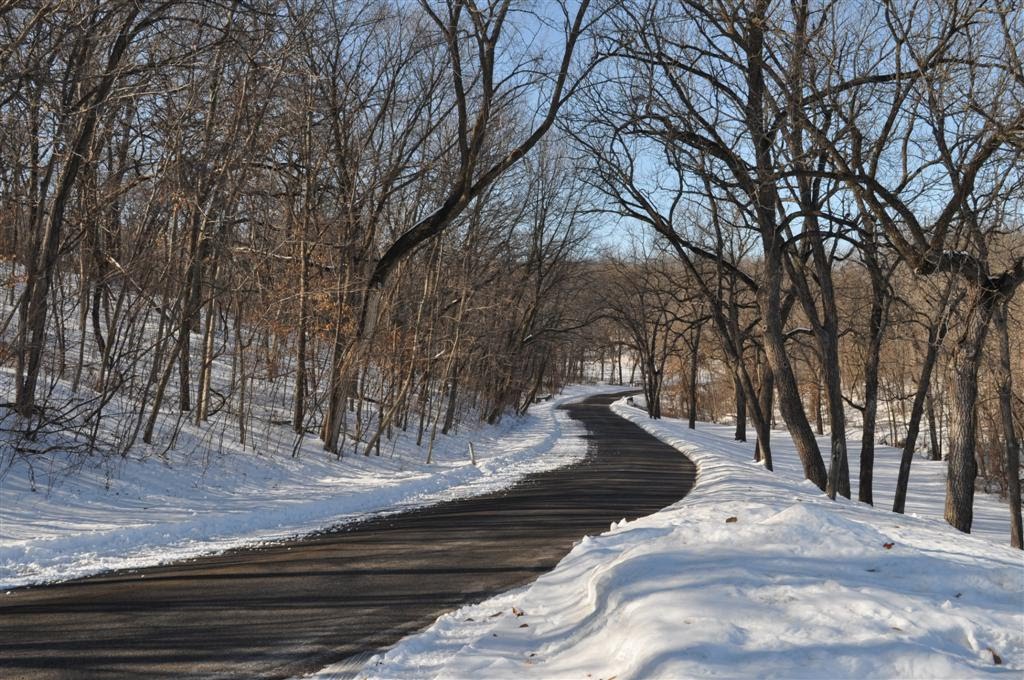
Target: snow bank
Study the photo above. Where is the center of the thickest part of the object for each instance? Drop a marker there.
(56, 526)
(754, 574)
(926, 494)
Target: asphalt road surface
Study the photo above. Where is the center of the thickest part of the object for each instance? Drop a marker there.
(299, 606)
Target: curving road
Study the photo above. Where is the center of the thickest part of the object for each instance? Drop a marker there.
(296, 607)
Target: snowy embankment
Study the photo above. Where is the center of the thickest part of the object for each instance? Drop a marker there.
(753, 574)
(56, 524)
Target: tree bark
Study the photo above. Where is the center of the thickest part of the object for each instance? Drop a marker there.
(963, 425)
(876, 327)
(838, 469)
(206, 367)
(936, 334)
(785, 381)
(819, 415)
(299, 404)
(1010, 440)
(933, 429)
(741, 411)
(766, 405)
(453, 392)
(694, 367)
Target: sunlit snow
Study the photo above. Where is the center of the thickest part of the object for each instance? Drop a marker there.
(754, 574)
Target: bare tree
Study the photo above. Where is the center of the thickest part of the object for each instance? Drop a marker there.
(936, 76)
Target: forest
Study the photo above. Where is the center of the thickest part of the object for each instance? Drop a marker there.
(346, 218)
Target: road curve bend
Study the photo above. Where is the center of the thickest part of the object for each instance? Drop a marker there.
(298, 606)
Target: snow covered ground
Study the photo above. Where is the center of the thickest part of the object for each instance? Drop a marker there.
(754, 574)
(186, 502)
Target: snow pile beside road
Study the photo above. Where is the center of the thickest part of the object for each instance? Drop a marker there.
(754, 574)
(56, 526)
(926, 494)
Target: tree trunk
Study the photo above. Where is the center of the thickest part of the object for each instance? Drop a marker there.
(838, 469)
(423, 400)
(769, 295)
(936, 334)
(1010, 440)
(206, 367)
(453, 392)
(240, 347)
(652, 388)
(819, 415)
(339, 383)
(741, 411)
(694, 353)
(933, 429)
(876, 327)
(299, 404)
(865, 492)
(158, 398)
(83, 296)
(785, 381)
(190, 308)
(963, 425)
(766, 405)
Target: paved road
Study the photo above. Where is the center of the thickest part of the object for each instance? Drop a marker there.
(296, 607)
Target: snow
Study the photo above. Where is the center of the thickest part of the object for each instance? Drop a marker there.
(753, 574)
(202, 497)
